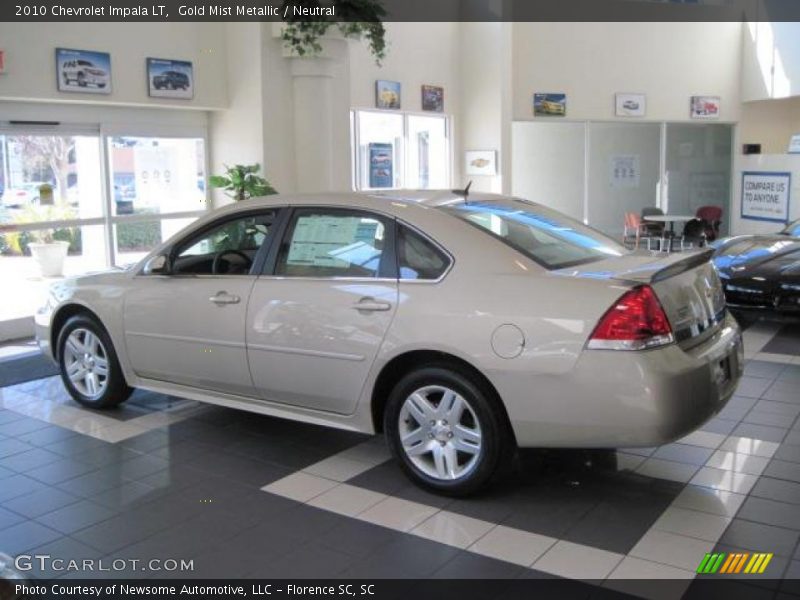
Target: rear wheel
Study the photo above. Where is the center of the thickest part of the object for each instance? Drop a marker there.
(89, 366)
(445, 430)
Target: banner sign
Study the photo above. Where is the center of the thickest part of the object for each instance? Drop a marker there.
(765, 196)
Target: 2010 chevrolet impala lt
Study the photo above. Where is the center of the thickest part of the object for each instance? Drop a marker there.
(463, 326)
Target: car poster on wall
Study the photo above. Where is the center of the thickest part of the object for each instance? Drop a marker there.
(765, 196)
(705, 107)
(432, 98)
(550, 105)
(381, 165)
(387, 94)
(83, 71)
(170, 78)
(630, 105)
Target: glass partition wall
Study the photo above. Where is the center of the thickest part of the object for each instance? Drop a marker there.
(110, 198)
(598, 171)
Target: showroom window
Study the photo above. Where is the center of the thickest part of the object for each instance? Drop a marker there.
(394, 150)
(109, 198)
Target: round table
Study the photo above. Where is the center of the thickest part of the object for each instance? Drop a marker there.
(671, 219)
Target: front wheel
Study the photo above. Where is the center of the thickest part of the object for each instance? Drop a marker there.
(445, 430)
(89, 366)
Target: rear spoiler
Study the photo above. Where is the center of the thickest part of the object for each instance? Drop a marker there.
(689, 262)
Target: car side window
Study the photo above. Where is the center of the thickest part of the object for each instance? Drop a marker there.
(229, 248)
(417, 257)
(332, 243)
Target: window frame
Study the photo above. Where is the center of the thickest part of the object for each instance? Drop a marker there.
(355, 144)
(387, 268)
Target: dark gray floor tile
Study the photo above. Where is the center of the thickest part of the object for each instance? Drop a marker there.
(720, 425)
(408, 557)
(793, 438)
(693, 455)
(65, 549)
(77, 516)
(61, 470)
(115, 533)
(47, 435)
(784, 342)
(8, 518)
(758, 537)
(18, 485)
(788, 452)
(764, 369)
(10, 446)
(127, 495)
(6, 473)
(791, 579)
(472, 566)
(105, 455)
(777, 489)
(21, 426)
(781, 408)
(310, 561)
(75, 445)
(550, 514)
(26, 536)
(761, 432)
(142, 466)
(7, 416)
(40, 502)
(95, 482)
(783, 469)
(147, 442)
(770, 512)
(790, 373)
(752, 387)
(29, 460)
(783, 391)
(358, 538)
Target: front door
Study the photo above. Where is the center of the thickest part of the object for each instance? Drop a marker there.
(188, 326)
(316, 324)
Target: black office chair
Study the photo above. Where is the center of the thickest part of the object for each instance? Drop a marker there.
(654, 230)
(694, 234)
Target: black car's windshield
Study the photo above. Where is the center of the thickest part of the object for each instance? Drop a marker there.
(792, 229)
(548, 237)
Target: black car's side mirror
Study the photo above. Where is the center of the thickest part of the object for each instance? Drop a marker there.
(158, 265)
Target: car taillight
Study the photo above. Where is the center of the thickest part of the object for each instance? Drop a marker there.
(635, 322)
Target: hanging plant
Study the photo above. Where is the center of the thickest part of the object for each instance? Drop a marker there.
(356, 19)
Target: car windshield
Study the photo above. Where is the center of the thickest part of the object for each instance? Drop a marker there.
(544, 235)
(792, 229)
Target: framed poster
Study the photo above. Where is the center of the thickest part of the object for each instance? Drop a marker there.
(705, 107)
(387, 94)
(432, 98)
(624, 171)
(765, 196)
(170, 78)
(630, 105)
(83, 71)
(381, 165)
(794, 144)
(550, 105)
(481, 162)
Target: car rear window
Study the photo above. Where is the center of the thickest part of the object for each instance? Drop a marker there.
(544, 235)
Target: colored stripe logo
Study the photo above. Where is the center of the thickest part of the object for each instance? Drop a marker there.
(735, 562)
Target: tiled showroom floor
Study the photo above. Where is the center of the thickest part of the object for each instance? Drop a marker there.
(246, 495)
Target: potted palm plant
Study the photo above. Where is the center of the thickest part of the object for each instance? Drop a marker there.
(241, 182)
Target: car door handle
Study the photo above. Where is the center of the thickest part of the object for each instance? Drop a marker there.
(372, 305)
(224, 298)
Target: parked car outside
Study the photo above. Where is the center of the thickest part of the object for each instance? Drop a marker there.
(22, 195)
(171, 80)
(761, 273)
(463, 328)
(84, 73)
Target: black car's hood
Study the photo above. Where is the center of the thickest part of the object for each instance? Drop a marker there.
(760, 259)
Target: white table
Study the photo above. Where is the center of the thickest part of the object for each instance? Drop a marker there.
(671, 219)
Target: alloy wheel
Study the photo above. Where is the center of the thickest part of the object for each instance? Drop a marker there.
(440, 433)
(86, 363)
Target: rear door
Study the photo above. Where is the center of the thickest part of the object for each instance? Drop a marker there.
(317, 318)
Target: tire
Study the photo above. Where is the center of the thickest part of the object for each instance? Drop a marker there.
(81, 80)
(454, 472)
(83, 344)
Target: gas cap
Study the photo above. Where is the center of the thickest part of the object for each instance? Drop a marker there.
(508, 341)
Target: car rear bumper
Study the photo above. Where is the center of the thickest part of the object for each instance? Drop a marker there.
(639, 398)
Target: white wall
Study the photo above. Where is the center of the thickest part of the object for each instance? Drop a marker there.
(770, 123)
(590, 62)
(31, 71)
(770, 60)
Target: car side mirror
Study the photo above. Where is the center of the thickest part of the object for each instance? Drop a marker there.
(158, 265)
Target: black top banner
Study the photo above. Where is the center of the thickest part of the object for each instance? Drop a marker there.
(400, 10)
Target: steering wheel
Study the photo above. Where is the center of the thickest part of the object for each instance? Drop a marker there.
(218, 258)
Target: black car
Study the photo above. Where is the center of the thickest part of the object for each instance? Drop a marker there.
(761, 272)
(171, 80)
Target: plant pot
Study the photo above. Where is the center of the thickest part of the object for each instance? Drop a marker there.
(50, 257)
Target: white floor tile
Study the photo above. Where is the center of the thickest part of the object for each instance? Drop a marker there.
(300, 486)
(576, 561)
(692, 523)
(513, 545)
(337, 468)
(347, 500)
(743, 445)
(786, 359)
(397, 514)
(667, 469)
(705, 499)
(706, 439)
(635, 576)
(453, 529)
(729, 481)
(637, 568)
(672, 549)
(741, 463)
